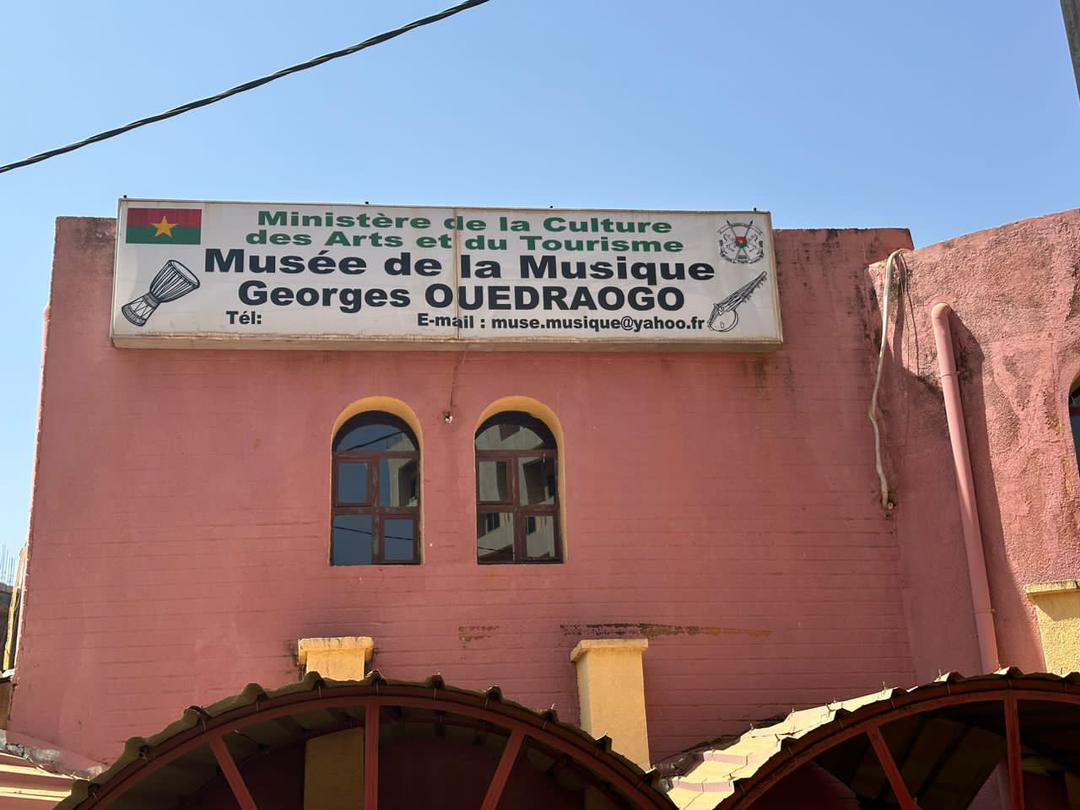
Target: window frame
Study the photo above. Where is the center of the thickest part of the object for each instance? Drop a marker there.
(1073, 412)
(520, 512)
(377, 512)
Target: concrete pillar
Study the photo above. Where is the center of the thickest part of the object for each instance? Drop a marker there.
(334, 763)
(611, 692)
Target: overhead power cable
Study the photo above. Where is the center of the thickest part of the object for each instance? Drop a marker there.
(243, 88)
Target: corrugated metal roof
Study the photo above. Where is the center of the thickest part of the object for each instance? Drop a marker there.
(254, 698)
(718, 772)
(713, 780)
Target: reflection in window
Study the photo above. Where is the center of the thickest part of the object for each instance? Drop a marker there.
(517, 510)
(376, 486)
(495, 537)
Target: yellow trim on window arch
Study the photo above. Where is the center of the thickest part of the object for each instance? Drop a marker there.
(394, 407)
(538, 410)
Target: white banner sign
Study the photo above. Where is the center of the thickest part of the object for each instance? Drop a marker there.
(233, 274)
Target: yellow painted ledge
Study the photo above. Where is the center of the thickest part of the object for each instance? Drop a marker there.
(638, 645)
(343, 658)
(1050, 588)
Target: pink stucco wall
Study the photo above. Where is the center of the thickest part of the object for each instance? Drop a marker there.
(722, 504)
(1016, 332)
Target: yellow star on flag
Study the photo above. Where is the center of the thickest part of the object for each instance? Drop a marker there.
(164, 227)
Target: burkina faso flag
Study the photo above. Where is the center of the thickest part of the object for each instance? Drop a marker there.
(164, 226)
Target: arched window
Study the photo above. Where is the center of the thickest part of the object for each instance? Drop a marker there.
(376, 486)
(517, 504)
(1074, 417)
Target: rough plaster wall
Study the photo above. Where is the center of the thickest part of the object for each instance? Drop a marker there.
(1015, 292)
(721, 504)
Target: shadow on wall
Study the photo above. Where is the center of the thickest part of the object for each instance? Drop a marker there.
(917, 460)
(1015, 325)
(1006, 593)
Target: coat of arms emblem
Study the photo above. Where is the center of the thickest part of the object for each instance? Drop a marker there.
(742, 242)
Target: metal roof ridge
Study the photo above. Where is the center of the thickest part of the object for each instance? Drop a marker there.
(721, 764)
(253, 694)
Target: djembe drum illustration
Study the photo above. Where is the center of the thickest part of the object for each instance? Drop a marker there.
(172, 281)
(725, 315)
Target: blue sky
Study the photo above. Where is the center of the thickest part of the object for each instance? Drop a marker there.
(942, 117)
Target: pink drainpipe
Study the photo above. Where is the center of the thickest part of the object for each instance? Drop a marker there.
(965, 485)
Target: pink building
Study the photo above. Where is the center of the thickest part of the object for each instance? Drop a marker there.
(723, 507)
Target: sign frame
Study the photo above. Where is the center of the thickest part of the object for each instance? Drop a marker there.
(619, 341)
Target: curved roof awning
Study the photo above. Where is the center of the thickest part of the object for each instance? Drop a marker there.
(247, 750)
(932, 747)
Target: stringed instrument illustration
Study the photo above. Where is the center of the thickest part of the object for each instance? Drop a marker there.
(725, 315)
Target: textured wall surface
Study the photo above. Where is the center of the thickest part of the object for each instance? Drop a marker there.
(722, 505)
(1016, 331)
(1057, 611)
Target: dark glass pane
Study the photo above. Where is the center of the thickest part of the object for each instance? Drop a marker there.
(352, 482)
(399, 484)
(399, 539)
(540, 538)
(493, 481)
(374, 437)
(495, 537)
(1074, 418)
(537, 480)
(514, 431)
(352, 540)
